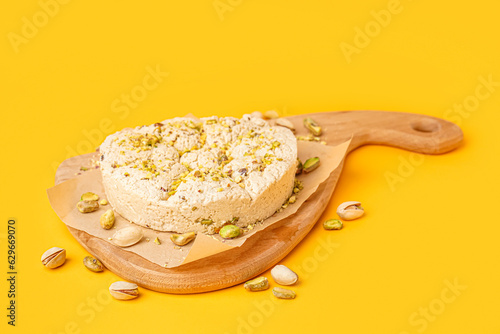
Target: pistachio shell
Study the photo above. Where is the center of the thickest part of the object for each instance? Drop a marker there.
(124, 290)
(350, 210)
(271, 114)
(257, 114)
(257, 284)
(285, 123)
(283, 293)
(283, 275)
(54, 257)
(127, 236)
(93, 264)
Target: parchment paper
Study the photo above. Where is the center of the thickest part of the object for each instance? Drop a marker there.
(64, 196)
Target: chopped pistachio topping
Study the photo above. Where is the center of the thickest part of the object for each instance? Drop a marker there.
(163, 155)
(206, 221)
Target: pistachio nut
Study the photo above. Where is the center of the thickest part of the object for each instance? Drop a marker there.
(271, 114)
(312, 126)
(127, 236)
(182, 239)
(87, 206)
(311, 164)
(207, 221)
(257, 114)
(350, 210)
(108, 219)
(103, 201)
(93, 264)
(299, 167)
(124, 290)
(54, 257)
(157, 241)
(257, 284)
(230, 231)
(333, 224)
(283, 293)
(89, 197)
(285, 123)
(284, 275)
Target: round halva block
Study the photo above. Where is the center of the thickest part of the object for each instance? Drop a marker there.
(189, 175)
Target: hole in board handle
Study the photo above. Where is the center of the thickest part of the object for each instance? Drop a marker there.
(426, 125)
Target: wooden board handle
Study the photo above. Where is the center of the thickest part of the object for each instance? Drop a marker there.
(413, 132)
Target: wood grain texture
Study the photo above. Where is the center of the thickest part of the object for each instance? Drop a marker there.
(412, 132)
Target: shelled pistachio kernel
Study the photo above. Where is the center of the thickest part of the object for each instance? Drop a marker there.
(54, 257)
(257, 284)
(300, 166)
(182, 239)
(283, 293)
(312, 126)
(124, 290)
(89, 197)
(333, 224)
(230, 231)
(107, 219)
(311, 164)
(103, 201)
(157, 241)
(93, 264)
(87, 206)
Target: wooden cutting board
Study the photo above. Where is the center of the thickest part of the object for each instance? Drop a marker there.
(417, 133)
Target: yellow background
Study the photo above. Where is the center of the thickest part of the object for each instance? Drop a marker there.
(436, 226)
